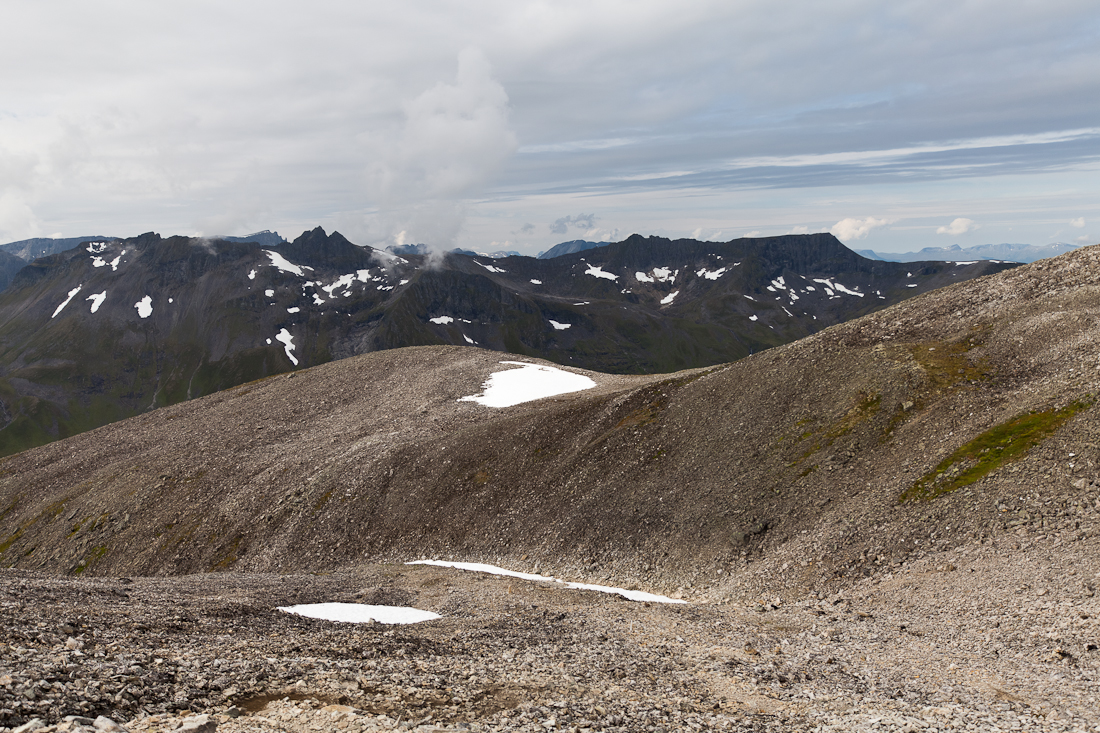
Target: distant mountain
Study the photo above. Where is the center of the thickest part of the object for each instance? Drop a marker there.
(408, 249)
(568, 248)
(955, 253)
(108, 330)
(32, 249)
(9, 265)
(493, 255)
(266, 238)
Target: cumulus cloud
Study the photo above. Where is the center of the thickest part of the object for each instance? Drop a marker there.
(1079, 222)
(799, 230)
(753, 233)
(706, 235)
(580, 221)
(959, 226)
(454, 138)
(527, 228)
(847, 229)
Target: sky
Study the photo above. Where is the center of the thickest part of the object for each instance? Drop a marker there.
(515, 125)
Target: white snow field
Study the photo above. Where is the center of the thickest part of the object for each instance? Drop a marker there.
(61, 307)
(145, 306)
(359, 613)
(288, 344)
(529, 382)
(477, 567)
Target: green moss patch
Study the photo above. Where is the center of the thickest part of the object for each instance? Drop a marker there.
(1000, 445)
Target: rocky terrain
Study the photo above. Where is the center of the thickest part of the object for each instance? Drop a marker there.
(111, 329)
(893, 524)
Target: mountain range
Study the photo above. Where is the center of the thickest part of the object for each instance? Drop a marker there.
(944, 421)
(1002, 252)
(117, 327)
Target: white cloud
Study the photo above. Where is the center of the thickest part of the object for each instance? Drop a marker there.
(454, 139)
(847, 229)
(753, 233)
(958, 226)
(706, 235)
(1079, 222)
(799, 230)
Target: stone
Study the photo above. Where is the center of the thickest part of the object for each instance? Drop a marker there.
(106, 725)
(198, 724)
(35, 724)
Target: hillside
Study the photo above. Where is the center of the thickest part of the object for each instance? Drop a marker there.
(891, 524)
(115, 328)
(653, 476)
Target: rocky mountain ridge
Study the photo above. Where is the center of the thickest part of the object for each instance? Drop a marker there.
(114, 328)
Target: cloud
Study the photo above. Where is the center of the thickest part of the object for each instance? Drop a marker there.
(1079, 222)
(847, 229)
(580, 221)
(799, 230)
(526, 228)
(753, 233)
(958, 226)
(1083, 239)
(454, 138)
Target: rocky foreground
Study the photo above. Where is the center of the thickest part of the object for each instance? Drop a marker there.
(997, 636)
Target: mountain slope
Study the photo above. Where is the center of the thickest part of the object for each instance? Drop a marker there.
(111, 329)
(846, 453)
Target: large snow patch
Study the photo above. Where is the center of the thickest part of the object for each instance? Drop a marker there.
(529, 382)
(359, 613)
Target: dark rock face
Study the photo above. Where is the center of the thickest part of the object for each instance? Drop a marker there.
(32, 249)
(111, 329)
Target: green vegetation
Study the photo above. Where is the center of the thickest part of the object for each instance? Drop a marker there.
(1002, 444)
(90, 559)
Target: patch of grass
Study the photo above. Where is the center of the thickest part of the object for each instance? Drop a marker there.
(1000, 445)
(90, 559)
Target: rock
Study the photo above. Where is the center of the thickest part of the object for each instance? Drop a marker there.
(198, 724)
(234, 712)
(78, 720)
(35, 724)
(105, 724)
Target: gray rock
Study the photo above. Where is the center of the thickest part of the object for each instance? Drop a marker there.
(105, 724)
(199, 724)
(34, 724)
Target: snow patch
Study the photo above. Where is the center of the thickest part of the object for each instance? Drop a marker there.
(442, 320)
(360, 613)
(251, 274)
(597, 271)
(285, 265)
(529, 382)
(343, 283)
(288, 345)
(269, 292)
(61, 307)
(490, 268)
(115, 261)
(99, 262)
(469, 340)
(477, 567)
(665, 274)
(670, 297)
(712, 274)
(97, 300)
(295, 309)
(972, 262)
(560, 326)
(96, 247)
(642, 277)
(536, 282)
(145, 306)
(752, 318)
